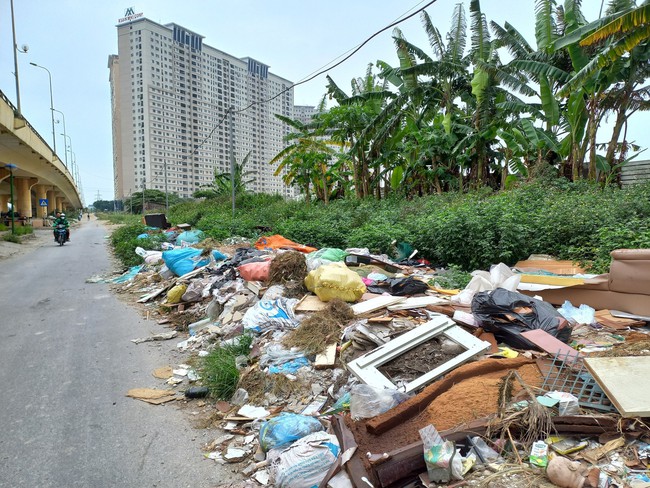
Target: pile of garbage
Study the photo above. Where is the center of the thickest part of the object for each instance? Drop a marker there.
(354, 369)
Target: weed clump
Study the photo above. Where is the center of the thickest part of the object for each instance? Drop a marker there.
(257, 384)
(320, 329)
(11, 238)
(219, 368)
(288, 266)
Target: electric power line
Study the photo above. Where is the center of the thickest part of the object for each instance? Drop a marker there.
(348, 54)
(354, 51)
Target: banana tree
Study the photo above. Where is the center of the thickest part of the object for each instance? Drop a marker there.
(306, 160)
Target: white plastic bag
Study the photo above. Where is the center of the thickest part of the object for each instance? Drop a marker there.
(500, 276)
(583, 314)
(271, 314)
(367, 401)
(304, 463)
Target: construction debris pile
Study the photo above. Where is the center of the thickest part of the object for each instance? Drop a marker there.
(329, 367)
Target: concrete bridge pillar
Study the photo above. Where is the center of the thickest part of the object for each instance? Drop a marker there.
(40, 192)
(4, 203)
(23, 197)
(59, 204)
(51, 202)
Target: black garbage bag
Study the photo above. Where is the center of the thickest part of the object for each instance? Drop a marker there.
(399, 287)
(500, 312)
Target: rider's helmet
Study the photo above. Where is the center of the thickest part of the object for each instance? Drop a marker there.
(62, 214)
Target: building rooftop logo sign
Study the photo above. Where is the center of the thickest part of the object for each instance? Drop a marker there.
(129, 15)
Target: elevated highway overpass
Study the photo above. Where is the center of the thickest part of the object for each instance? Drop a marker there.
(37, 173)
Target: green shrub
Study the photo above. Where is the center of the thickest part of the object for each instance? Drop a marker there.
(579, 221)
(11, 238)
(219, 371)
(125, 239)
(23, 231)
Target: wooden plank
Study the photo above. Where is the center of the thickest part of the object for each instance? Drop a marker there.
(326, 359)
(546, 342)
(349, 457)
(551, 280)
(605, 318)
(375, 304)
(152, 295)
(621, 378)
(310, 303)
(418, 302)
(551, 265)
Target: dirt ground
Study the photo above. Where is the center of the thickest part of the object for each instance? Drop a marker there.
(416, 362)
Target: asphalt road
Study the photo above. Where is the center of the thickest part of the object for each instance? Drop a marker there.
(66, 362)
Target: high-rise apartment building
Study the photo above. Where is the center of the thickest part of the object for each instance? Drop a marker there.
(171, 126)
(304, 113)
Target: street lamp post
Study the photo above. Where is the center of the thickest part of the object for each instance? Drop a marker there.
(13, 30)
(11, 168)
(64, 136)
(68, 144)
(51, 102)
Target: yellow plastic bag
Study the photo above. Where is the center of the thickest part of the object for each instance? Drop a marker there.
(176, 293)
(335, 281)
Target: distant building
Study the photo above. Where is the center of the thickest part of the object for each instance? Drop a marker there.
(170, 94)
(304, 113)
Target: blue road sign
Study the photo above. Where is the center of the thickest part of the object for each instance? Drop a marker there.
(42, 202)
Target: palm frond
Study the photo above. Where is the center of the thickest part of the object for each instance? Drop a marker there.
(630, 21)
(607, 56)
(544, 23)
(480, 35)
(538, 70)
(577, 34)
(413, 50)
(519, 107)
(334, 90)
(435, 39)
(405, 61)
(511, 39)
(457, 35)
(392, 75)
(296, 124)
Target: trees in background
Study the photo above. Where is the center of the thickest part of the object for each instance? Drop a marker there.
(451, 117)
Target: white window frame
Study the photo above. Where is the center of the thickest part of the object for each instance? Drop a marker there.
(365, 367)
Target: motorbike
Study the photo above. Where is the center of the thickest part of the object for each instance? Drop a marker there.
(60, 234)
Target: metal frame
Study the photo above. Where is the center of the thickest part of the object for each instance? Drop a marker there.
(365, 367)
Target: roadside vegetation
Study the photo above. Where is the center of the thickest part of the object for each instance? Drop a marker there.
(579, 221)
(19, 230)
(482, 147)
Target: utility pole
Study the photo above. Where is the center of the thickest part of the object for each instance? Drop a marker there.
(232, 159)
(99, 197)
(166, 191)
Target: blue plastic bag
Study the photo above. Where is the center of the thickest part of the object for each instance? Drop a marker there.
(290, 366)
(128, 276)
(190, 237)
(287, 428)
(218, 256)
(182, 261)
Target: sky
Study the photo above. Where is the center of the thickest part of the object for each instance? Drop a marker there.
(74, 38)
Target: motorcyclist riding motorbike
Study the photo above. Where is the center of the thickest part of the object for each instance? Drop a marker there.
(60, 219)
